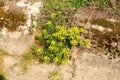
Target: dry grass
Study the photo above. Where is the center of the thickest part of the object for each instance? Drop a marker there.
(11, 19)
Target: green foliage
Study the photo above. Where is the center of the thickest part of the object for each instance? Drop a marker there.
(57, 5)
(62, 11)
(102, 3)
(55, 75)
(27, 56)
(26, 61)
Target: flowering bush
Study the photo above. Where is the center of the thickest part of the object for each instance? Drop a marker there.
(57, 35)
(57, 42)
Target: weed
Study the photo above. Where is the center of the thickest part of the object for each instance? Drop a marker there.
(55, 75)
(27, 56)
(26, 61)
(3, 52)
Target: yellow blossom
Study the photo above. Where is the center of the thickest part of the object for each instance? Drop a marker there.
(48, 23)
(53, 15)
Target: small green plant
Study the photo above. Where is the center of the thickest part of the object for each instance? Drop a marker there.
(3, 52)
(55, 75)
(27, 56)
(101, 3)
(26, 61)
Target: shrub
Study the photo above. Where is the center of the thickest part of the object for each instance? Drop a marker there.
(57, 35)
(57, 41)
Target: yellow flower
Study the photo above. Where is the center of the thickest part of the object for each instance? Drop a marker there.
(48, 23)
(88, 42)
(74, 42)
(65, 61)
(53, 15)
(46, 58)
(53, 42)
(56, 59)
(66, 51)
(58, 27)
(39, 51)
